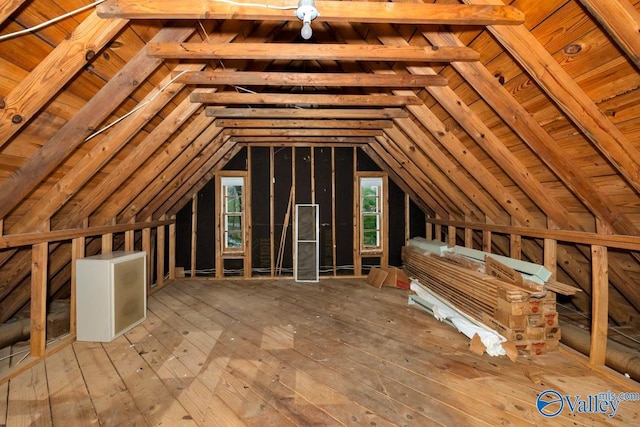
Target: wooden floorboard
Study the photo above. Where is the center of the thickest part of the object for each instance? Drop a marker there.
(280, 353)
(28, 397)
(111, 399)
(68, 394)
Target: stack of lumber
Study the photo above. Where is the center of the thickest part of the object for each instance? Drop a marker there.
(532, 325)
(524, 316)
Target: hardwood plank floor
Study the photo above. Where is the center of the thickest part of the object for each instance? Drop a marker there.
(279, 353)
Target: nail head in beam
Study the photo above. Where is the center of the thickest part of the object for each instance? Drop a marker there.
(330, 11)
(306, 113)
(312, 52)
(250, 78)
(304, 100)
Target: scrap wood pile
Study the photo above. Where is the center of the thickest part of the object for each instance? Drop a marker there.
(518, 306)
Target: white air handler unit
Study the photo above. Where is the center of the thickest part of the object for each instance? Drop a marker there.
(111, 295)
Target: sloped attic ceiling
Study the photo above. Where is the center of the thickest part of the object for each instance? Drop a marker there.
(530, 120)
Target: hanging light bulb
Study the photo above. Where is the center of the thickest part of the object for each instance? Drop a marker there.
(306, 12)
(306, 31)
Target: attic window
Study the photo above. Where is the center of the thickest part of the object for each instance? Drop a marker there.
(371, 210)
(233, 212)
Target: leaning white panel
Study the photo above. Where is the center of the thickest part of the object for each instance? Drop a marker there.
(444, 311)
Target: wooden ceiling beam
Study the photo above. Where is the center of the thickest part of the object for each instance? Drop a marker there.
(102, 152)
(74, 132)
(143, 151)
(250, 78)
(282, 141)
(7, 7)
(158, 172)
(303, 124)
(621, 20)
(52, 73)
(532, 134)
(302, 132)
(311, 52)
(401, 177)
(458, 175)
(427, 176)
(569, 97)
(198, 179)
(445, 182)
(227, 98)
(210, 160)
(305, 113)
(330, 11)
(470, 163)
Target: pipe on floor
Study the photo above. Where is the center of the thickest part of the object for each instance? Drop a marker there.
(619, 357)
(12, 332)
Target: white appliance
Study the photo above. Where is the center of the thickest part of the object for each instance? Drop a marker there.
(111, 295)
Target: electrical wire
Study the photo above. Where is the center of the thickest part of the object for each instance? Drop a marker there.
(138, 107)
(613, 328)
(28, 350)
(49, 22)
(95, 3)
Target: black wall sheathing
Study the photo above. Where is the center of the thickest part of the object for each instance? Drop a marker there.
(344, 209)
(205, 243)
(183, 237)
(237, 162)
(396, 224)
(303, 175)
(260, 206)
(417, 218)
(283, 179)
(323, 199)
(260, 218)
(366, 164)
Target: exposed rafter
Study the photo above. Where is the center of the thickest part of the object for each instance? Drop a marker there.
(540, 142)
(305, 113)
(301, 132)
(621, 21)
(330, 11)
(249, 78)
(311, 52)
(85, 168)
(303, 124)
(54, 72)
(7, 7)
(70, 136)
(286, 141)
(229, 98)
(570, 97)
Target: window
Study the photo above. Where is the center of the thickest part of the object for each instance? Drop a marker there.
(371, 203)
(233, 213)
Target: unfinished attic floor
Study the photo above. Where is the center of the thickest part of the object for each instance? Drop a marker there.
(278, 353)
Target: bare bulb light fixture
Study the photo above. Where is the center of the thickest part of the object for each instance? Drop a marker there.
(306, 12)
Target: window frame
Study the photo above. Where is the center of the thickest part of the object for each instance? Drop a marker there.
(378, 181)
(233, 180)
